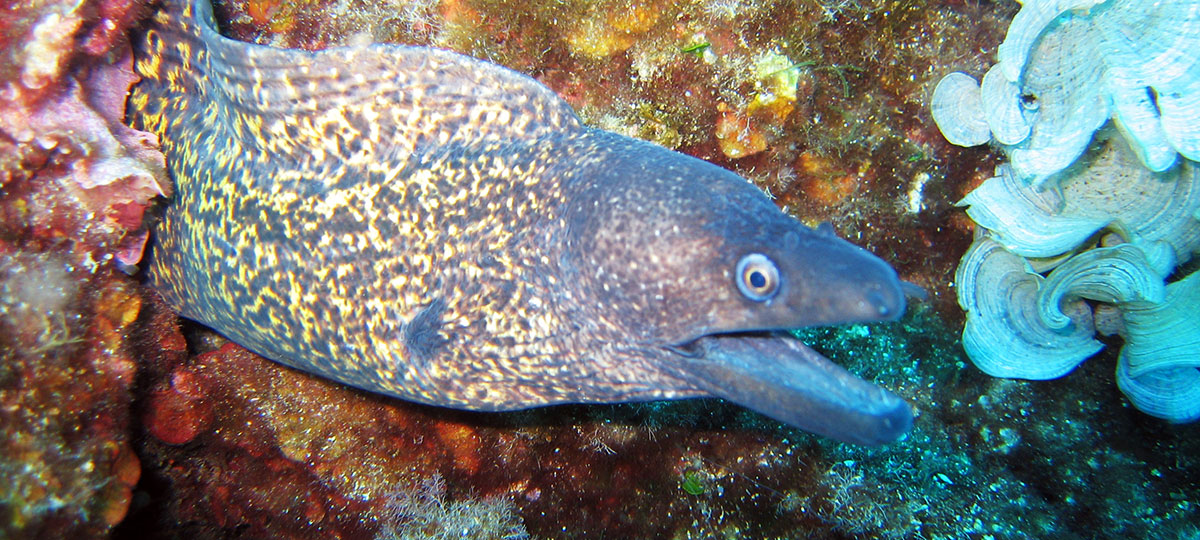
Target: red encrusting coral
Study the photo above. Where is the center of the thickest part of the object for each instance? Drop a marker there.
(177, 414)
(75, 182)
(66, 381)
(75, 173)
(244, 444)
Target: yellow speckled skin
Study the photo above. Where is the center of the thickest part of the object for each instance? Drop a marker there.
(438, 228)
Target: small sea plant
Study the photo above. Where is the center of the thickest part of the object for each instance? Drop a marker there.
(423, 512)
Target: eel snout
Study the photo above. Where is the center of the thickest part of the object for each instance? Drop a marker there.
(780, 377)
(827, 280)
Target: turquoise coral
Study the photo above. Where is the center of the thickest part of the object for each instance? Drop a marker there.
(1066, 67)
(1078, 216)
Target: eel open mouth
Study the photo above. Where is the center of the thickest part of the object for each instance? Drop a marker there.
(777, 375)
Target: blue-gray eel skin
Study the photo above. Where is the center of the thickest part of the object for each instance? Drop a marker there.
(437, 228)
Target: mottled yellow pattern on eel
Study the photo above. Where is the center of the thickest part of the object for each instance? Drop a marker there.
(431, 226)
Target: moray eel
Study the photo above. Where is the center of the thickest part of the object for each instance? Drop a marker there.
(430, 226)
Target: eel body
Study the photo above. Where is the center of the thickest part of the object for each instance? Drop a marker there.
(431, 226)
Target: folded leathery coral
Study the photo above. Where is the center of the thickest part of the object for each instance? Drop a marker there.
(957, 109)
(1074, 220)
(1111, 233)
(1005, 335)
(1170, 394)
(1107, 187)
(1021, 324)
(1159, 367)
(1120, 275)
(1160, 335)
(1066, 66)
(1024, 325)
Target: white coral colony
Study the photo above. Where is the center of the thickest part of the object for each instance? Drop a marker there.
(1077, 220)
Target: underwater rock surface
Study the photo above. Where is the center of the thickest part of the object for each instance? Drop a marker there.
(1065, 224)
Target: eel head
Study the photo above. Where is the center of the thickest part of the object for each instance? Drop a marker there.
(699, 271)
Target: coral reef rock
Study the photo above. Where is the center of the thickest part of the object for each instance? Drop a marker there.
(74, 184)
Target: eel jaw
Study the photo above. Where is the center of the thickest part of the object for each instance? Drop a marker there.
(779, 376)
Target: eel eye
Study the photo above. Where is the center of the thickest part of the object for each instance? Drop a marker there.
(757, 277)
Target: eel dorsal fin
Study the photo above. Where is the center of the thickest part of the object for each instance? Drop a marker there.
(395, 101)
